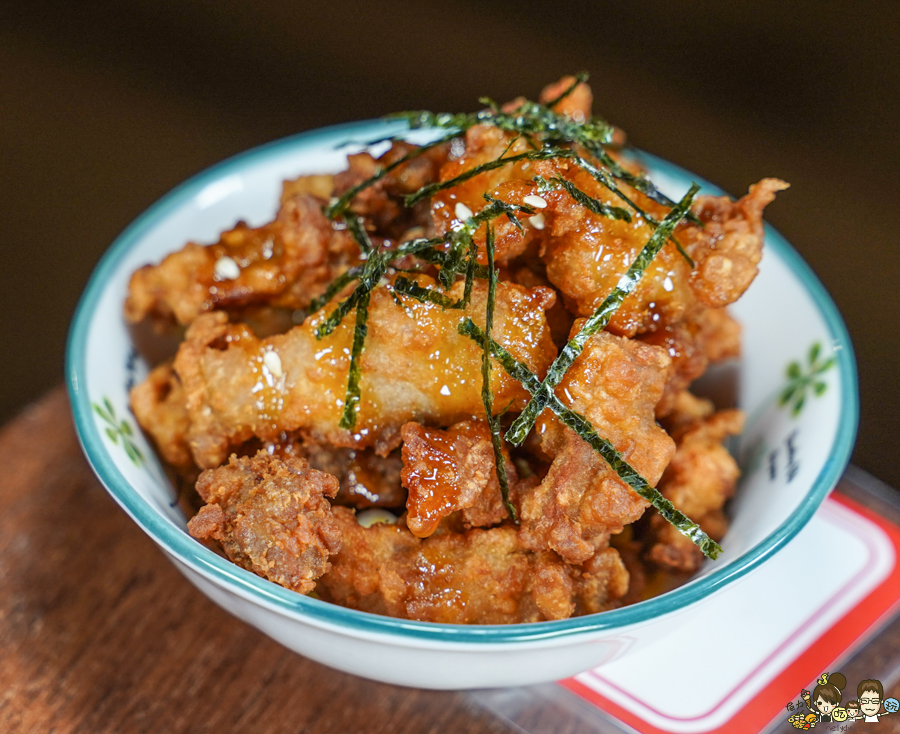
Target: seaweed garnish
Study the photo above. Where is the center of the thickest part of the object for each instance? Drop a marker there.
(540, 120)
(588, 202)
(357, 229)
(411, 288)
(487, 396)
(549, 135)
(351, 400)
(339, 205)
(583, 427)
(598, 320)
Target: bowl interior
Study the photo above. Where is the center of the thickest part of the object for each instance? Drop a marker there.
(791, 452)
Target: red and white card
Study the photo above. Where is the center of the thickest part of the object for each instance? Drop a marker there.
(749, 650)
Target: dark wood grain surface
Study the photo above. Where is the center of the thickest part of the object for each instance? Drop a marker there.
(108, 105)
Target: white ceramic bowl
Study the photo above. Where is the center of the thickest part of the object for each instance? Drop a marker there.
(791, 460)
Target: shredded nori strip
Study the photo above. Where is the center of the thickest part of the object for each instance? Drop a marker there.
(335, 287)
(357, 229)
(460, 239)
(410, 288)
(598, 320)
(373, 271)
(487, 396)
(529, 120)
(583, 427)
(534, 155)
(588, 202)
(351, 400)
(342, 203)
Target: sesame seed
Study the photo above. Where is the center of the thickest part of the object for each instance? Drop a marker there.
(538, 202)
(462, 211)
(375, 516)
(273, 362)
(537, 221)
(226, 269)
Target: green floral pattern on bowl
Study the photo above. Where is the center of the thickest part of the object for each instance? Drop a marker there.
(119, 431)
(804, 379)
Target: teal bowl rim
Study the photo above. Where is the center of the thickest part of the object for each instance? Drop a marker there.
(226, 574)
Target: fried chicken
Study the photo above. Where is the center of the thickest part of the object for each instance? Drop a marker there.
(452, 470)
(708, 337)
(416, 366)
(367, 480)
(283, 264)
(271, 516)
(587, 253)
(248, 384)
(616, 384)
(476, 577)
(381, 204)
(159, 406)
(700, 478)
(511, 183)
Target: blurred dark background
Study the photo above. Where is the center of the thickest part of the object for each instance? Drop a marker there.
(107, 105)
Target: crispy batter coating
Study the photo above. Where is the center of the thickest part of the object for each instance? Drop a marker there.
(416, 366)
(451, 470)
(367, 480)
(476, 577)
(382, 203)
(271, 517)
(246, 384)
(700, 478)
(484, 143)
(586, 254)
(729, 247)
(283, 264)
(710, 336)
(159, 406)
(616, 384)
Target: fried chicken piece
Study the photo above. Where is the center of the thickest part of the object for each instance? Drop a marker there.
(451, 207)
(271, 517)
(283, 264)
(586, 254)
(615, 383)
(452, 470)
(382, 203)
(698, 481)
(367, 480)
(577, 104)
(159, 406)
(728, 248)
(708, 337)
(476, 577)
(511, 183)
(321, 186)
(416, 366)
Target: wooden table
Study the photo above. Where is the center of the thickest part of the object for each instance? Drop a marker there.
(99, 633)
